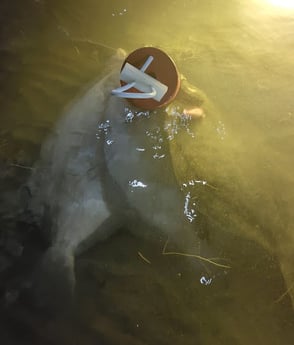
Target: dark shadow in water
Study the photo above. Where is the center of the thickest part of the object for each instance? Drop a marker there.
(121, 298)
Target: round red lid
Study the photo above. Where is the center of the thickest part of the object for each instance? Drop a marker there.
(162, 68)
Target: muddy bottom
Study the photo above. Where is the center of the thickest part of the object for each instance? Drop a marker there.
(128, 292)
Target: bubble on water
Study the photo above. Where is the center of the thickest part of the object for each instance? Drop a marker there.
(109, 142)
(120, 12)
(178, 121)
(104, 125)
(131, 115)
(137, 184)
(157, 156)
(205, 281)
(194, 182)
(221, 130)
(103, 129)
(189, 212)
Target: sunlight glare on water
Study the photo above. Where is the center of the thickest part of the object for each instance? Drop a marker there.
(289, 4)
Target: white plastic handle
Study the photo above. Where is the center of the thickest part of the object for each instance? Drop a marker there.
(137, 95)
(147, 63)
(149, 87)
(120, 91)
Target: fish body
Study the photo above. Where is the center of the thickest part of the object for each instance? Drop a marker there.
(66, 186)
(108, 165)
(97, 172)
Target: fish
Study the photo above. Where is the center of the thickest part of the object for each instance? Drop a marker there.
(105, 165)
(161, 174)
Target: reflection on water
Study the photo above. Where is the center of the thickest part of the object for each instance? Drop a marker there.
(234, 169)
(289, 4)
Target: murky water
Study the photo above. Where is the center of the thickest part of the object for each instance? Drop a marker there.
(238, 181)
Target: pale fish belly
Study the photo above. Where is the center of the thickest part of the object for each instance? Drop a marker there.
(67, 189)
(67, 179)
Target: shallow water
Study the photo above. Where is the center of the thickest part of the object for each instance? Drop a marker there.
(240, 53)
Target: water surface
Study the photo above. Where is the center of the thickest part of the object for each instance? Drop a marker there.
(240, 53)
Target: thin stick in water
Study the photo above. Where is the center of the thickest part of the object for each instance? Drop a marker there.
(164, 252)
(285, 293)
(21, 166)
(143, 258)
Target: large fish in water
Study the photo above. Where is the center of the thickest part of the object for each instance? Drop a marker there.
(106, 165)
(160, 174)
